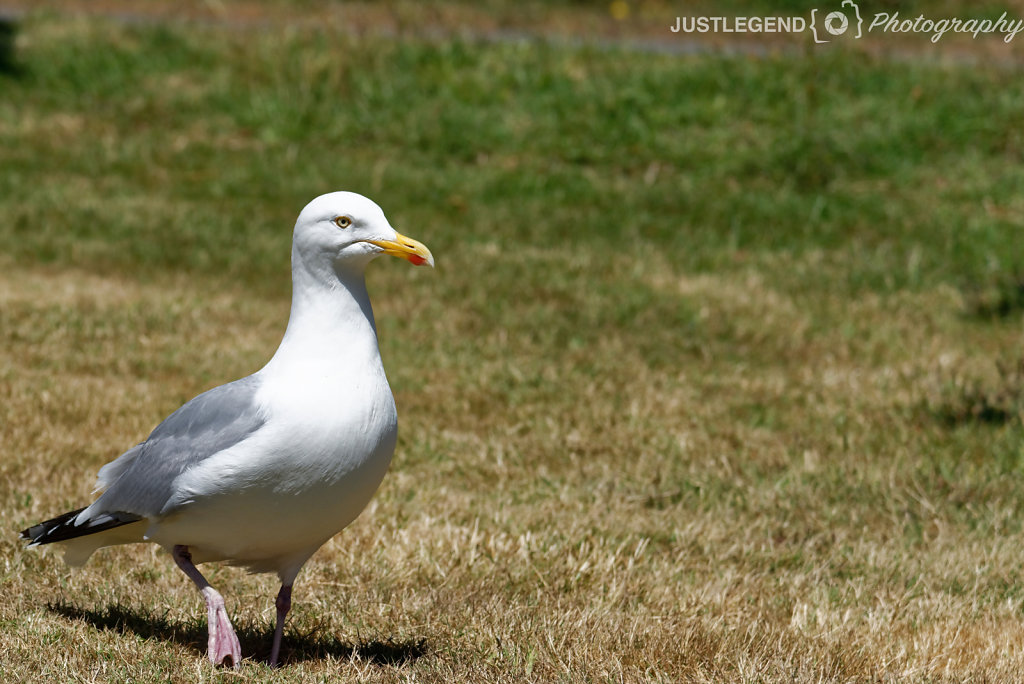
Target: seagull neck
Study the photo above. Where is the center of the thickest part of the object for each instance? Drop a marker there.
(331, 318)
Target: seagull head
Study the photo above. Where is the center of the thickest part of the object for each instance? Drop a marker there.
(348, 231)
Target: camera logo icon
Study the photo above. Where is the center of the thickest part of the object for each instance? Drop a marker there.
(837, 22)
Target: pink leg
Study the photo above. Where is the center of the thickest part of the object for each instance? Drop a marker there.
(222, 642)
(284, 604)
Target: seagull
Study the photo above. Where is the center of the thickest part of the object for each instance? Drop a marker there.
(262, 471)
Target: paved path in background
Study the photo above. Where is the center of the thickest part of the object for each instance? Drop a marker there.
(592, 29)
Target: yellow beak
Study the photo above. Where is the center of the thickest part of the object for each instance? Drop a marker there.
(406, 248)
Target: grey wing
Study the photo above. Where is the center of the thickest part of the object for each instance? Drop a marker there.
(141, 480)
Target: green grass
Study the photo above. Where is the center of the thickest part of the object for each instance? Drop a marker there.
(697, 392)
(885, 167)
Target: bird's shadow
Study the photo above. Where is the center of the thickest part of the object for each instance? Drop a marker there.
(255, 642)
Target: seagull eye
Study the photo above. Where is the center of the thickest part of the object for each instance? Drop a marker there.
(343, 221)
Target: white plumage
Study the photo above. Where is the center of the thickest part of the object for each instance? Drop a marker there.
(262, 471)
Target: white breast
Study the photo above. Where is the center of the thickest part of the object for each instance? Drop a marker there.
(322, 453)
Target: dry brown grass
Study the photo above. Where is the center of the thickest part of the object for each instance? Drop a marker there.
(758, 510)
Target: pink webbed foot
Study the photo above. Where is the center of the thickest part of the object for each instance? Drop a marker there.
(222, 643)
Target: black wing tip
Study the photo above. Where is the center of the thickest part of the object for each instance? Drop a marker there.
(38, 533)
(63, 527)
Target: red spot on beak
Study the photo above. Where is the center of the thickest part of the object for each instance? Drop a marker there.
(417, 260)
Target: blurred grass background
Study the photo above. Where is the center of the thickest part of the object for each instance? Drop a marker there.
(706, 156)
(718, 376)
